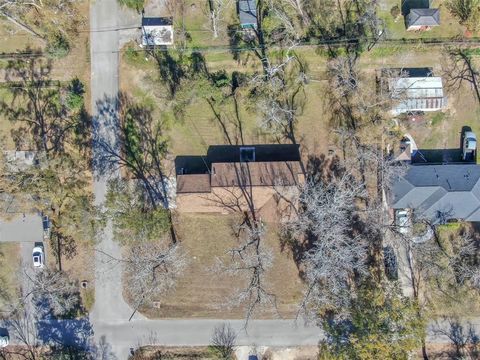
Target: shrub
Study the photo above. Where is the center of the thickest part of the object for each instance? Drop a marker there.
(58, 45)
(395, 11)
(76, 90)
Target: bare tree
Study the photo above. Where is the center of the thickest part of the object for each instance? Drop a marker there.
(459, 68)
(332, 253)
(22, 326)
(463, 337)
(151, 270)
(217, 10)
(280, 93)
(53, 291)
(465, 260)
(223, 341)
(249, 262)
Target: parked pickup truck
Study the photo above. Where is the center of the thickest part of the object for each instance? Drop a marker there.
(469, 149)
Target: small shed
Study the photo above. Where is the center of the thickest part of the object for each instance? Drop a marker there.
(422, 19)
(247, 12)
(157, 31)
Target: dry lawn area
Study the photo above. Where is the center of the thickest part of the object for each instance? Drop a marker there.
(202, 294)
(9, 270)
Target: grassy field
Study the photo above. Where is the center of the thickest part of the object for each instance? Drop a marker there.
(203, 294)
(9, 269)
(449, 26)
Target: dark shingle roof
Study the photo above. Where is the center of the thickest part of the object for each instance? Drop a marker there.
(156, 21)
(430, 189)
(423, 17)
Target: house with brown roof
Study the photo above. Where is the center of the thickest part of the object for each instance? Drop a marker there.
(263, 178)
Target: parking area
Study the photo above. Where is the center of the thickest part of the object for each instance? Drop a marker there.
(27, 230)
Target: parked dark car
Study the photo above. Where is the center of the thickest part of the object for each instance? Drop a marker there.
(391, 264)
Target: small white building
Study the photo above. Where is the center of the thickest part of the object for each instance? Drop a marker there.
(157, 31)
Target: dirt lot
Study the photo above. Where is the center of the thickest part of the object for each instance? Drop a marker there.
(201, 293)
(79, 267)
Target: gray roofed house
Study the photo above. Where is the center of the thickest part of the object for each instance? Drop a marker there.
(422, 19)
(247, 12)
(439, 192)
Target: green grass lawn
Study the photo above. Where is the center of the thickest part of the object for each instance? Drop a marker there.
(449, 26)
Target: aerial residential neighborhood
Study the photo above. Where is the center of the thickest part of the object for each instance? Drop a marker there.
(239, 179)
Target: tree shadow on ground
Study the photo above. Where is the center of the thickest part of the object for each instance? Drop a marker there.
(76, 333)
(463, 338)
(39, 103)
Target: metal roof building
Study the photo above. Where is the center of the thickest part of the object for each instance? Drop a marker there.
(439, 192)
(418, 94)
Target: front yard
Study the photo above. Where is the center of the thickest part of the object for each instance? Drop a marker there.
(203, 293)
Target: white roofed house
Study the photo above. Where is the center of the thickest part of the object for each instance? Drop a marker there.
(415, 89)
(157, 31)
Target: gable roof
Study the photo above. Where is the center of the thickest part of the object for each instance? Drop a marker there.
(423, 17)
(430, 189)
(193, 183)
(226, 166)
(247, 11)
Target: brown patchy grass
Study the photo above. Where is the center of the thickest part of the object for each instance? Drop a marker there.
(9, 270)
(81, 267)
(202, 294)
(174, 353)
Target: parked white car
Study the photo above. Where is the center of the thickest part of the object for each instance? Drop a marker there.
(38, 257)
(403, 221)
(4, 341)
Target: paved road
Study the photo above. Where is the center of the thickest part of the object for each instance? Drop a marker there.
(109, 304)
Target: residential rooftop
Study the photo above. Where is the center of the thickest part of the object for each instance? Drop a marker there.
(440, 191)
